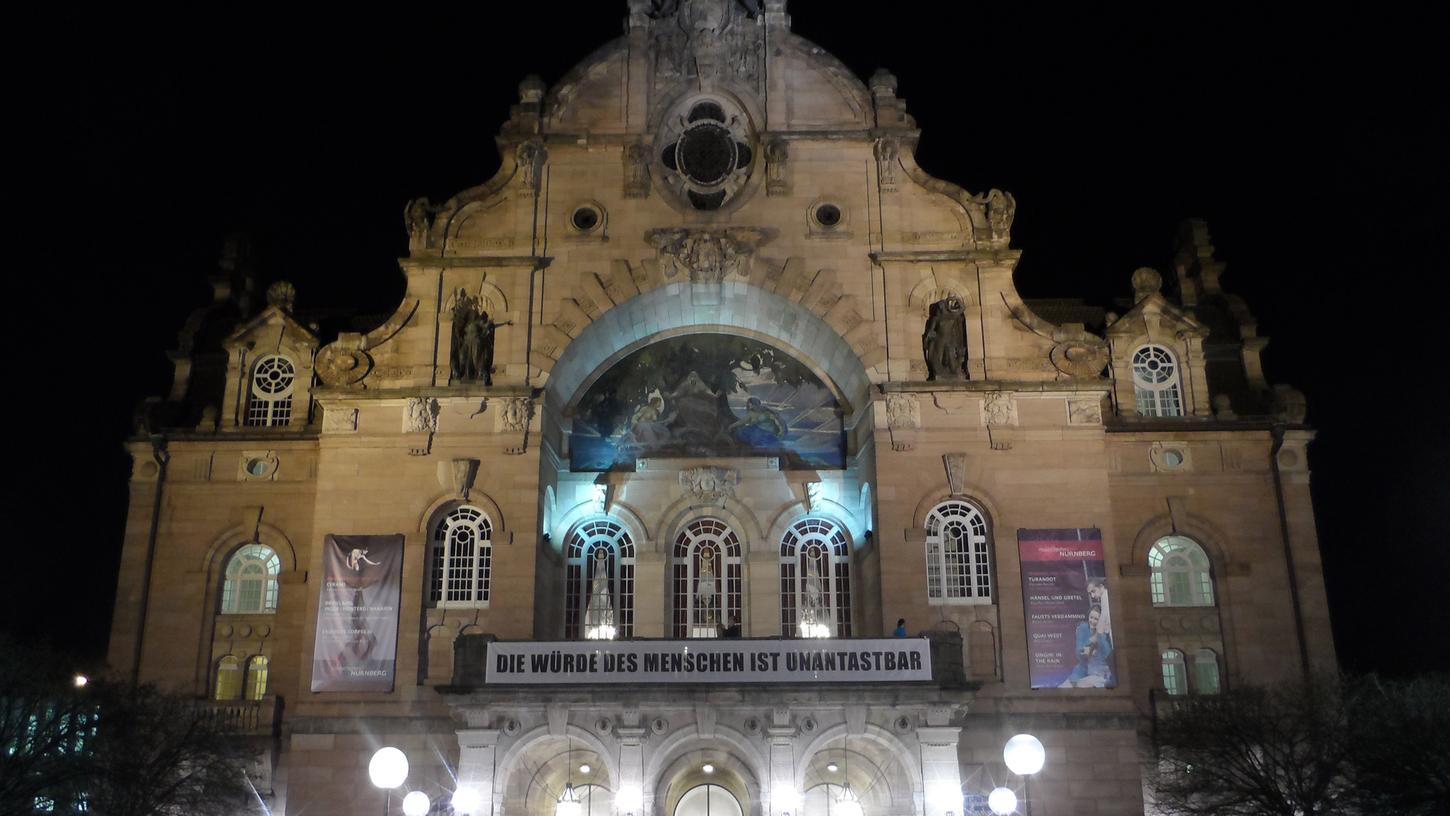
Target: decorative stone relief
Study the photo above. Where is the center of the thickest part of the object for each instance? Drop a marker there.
(903, 411)
(343, 363)
(706, 256)
(531, 157)
(418, 217)
(1001, 209)
(887, 151)
(1085, 412)
(420, 415)
(709, 483)
(998, 409)
(956, 466)
(636, 171)
(514, 414)
(777, 153)
(1080, 358)
(1146, 282)
(339, 420)
(282, 295)
(1289, 404)
(708, 40)
(1223, 408)
(461, 473)
(257, 466)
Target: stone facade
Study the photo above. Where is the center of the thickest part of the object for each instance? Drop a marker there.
(610, 228)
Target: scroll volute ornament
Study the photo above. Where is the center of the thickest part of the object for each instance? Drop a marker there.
(343, 363)
(1085, 358)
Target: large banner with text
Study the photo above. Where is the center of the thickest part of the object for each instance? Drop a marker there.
(1069, 618)
(357, 617)
(710, 661)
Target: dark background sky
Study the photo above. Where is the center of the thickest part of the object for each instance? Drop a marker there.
(1314, 143)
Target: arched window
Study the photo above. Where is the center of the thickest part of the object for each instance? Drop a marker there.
(249, 585)
(599, 582)
(815, 580)
(461, 561)
(256, 687)
(1205, 672)
(1180, 574)
(269, 394)
(958, 555)
(1175, 673)
(707, 578)
(228, 679)
(1156, 386)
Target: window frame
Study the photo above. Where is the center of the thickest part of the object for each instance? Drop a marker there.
(833, 561)
(696, 535)
(1149, 396)
(1172, 572)
(270, 409)
(254, 689)
(269, 595)
(977, 556)
(1179, 686)
(236, 682)
(473, 568)
(607, 535)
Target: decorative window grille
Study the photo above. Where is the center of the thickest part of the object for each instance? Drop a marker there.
(815, 580)
(461, 559)
(1156, 386)
(256, 686)
(269, 400)
(1205, 672)
(707, 579)
(599, 582)
(1175, 673)
(228, 678)
(1179, 573)
(249, 585)
(958, 555)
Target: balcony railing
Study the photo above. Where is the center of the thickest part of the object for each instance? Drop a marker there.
(246, 717)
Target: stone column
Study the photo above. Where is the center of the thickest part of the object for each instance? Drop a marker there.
(476, 757)
(651, 611)
(940, 772)
(631, 761)
(782, 797)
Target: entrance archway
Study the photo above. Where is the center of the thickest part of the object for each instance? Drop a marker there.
(708, 800)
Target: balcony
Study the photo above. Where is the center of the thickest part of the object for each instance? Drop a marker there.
(252, 718)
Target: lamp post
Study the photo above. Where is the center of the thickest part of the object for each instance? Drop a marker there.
(388, 769)
(1025, 756)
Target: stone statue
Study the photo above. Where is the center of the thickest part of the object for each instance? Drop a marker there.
(464, 308)
(945, 340)
(1001, 209)
(813, 595)
(707, 588)
(636, 171)
(599, 614)
(478, 347)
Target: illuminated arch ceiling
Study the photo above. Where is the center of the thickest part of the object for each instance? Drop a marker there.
(707, 394)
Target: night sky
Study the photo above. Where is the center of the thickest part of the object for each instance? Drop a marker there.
(1313, 144)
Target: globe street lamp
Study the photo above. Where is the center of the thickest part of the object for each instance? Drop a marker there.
(1002, 801)
(1025, 756)
(416, 804)
(466, 801)
(387, 769)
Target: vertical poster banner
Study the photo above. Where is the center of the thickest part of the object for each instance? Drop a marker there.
(1069, 618)
(357, 617)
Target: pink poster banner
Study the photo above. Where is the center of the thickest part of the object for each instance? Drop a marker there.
(357, 615)
(1068, 608)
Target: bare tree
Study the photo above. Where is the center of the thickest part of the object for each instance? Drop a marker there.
(123, 750)
(1282, 751)
(1400, 746)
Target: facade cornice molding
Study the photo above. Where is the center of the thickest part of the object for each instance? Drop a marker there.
(1053, 388)
(466, 261)
(1007, 256)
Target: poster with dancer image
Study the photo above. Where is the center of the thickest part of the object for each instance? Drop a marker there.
(1069, 610)
(357, 616)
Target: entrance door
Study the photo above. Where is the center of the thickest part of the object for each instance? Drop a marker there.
(707, 800)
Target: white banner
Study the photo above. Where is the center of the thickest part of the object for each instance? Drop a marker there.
(709, 661)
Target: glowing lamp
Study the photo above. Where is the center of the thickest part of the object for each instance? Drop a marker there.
(1002, 801)
(466, 801)
(388, 768)
(416, 804)
(784, 799)
(1024, 754)
(568, 804)
(848, 804)
(629, 799)
(944, 797)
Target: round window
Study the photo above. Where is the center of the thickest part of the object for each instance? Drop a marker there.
(257, 467)
(828, 215)
(706, 153)
(585, 219)
(1172, 458)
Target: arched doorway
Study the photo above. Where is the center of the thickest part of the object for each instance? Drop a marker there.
(708, 800)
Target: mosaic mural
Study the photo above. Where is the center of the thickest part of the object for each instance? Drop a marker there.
(707, 395)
